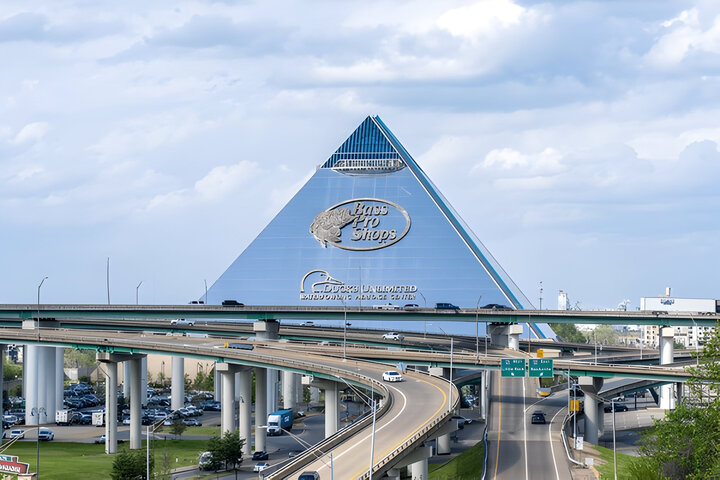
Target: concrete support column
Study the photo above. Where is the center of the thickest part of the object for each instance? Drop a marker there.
(591, 410)
(484, 394)
(667, 346)
(228, 401)
(272, 389)
(392, 474)
(314, 394)
(42, 384)
(30, 362)
(177, 386)
(678, 390)
(217, 385)
(244, 383)
(331, 409)
(419, 470)
(260, 408)
(60, 377)
(143, 381)
(506, 335)
(126, 381)
(135, 403)
(443, 444)
(289, 386)
(51, 388)
(111, 407)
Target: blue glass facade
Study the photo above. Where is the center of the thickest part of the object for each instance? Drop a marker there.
(368, 228)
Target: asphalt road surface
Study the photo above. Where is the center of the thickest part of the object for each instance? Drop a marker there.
(517, 448)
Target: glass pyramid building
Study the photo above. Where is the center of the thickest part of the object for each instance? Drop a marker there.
(369, 228)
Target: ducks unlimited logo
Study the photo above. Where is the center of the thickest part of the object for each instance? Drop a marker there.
(371, 224)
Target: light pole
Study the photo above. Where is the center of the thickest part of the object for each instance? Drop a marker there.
(697, 342)
(477, 330)
(38, 303)
(451, 368)
(33, 412)
(425, 318)
(137, 294)
(612, 404)
(206, 301)
(344, 328)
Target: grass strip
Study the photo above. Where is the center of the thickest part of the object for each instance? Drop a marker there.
(466, 466)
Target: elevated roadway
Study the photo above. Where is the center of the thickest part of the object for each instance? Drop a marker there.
(414, 409)
(259, 312)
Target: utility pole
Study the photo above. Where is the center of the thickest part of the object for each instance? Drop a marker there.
(541, 292)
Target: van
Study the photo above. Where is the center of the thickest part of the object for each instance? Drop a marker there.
(446, 306)
(309, 476)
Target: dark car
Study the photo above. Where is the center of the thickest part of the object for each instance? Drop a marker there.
(619, 407)
(538, 416)
(411, 306)
(496, 306)
(232, 303)
(446, 306)
(260, 455)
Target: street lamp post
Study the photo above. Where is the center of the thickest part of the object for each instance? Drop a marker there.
(425, 317)
(612, 404)
(137, 293)
(38, 303)
(697, 342)
(37, 411)
(477, 330)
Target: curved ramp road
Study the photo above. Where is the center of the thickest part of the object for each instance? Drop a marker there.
(416, 403)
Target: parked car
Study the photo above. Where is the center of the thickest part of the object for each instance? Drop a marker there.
(15, 433)
(45, 434)
(182, 321)
(192, 422)
(100, 439)
(392, 376)
(411, 306)
(393, 336)
(538, 416)
(619, 407)
(260, 466)
(260, 455)
(446, 306)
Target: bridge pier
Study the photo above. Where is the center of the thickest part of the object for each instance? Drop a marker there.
(244, 382)
(505, 335)
(177, 386)
(443, 441)
(289, 386)
(227, 405)
(110, 363)
(590, 386)
(261, 412)
(331, 401)
(135, 402)
(667, 351)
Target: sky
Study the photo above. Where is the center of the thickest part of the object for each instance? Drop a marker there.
(578, 140)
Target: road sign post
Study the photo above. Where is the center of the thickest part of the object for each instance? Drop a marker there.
(541, 367)
(512, 367)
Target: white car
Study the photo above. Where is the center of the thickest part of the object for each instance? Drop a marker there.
(392, 376)
(45, 434)
(182, 321)
(393, 336)
(260, 466)
(16, 433)
(386, 306)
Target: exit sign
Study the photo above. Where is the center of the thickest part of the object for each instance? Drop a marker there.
(512, 367)
(541, 367)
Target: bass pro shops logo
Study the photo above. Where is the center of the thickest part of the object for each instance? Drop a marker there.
(371, 223)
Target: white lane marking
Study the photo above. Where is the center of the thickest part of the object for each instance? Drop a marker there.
(335, 457)
(525, 428)
(552, 450)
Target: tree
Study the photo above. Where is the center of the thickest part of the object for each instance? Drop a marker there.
(685, 443)
(568, 332)
(227, 450)
(178, 427)
(130, 465)
(604, 334)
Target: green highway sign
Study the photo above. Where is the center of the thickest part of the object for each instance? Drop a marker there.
(512, 367)
(541, 367)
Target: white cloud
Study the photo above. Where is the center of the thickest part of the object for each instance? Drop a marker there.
(686, 37)
(547, 161)
(484, 18)
(31, 132)
(221, 182)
